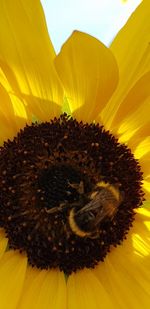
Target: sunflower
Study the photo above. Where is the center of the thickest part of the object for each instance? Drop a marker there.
(74, 165)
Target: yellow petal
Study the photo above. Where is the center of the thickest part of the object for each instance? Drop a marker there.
(12, 273)
(8, 78)
(3, 242)
(131, 124)
(13, 92)
(143, 148)
(139, 136)
(43, 290)
(132, 51)
(13, 115)
(137, 96)
(42, 109)
(118, 276)
(18, 107)
(85, 291)
(7, 117)
(26, 51)
(125, 282)
(89, 74)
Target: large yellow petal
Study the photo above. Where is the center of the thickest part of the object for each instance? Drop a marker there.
(12, 89)
(143, 148)
(138, 96)
(43, 109)
(125, 271)
(139, 136)
(131, 124)
(86, 292)
(26, 53)
(132, 51)
(43, 290)
(12, 273)
(89, 74)
(10, 122)
(127, 284)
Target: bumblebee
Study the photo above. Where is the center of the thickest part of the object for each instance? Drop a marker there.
(103, 204)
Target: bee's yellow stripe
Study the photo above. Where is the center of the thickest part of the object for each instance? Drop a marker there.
(74, 227)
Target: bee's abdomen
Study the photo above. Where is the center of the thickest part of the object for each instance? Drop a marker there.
(81, 224)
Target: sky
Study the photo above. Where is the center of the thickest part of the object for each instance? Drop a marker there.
(102, 19)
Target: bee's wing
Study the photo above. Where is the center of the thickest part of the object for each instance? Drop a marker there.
(108, 211)
(92, 205)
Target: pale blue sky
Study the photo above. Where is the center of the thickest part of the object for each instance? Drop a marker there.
(101, 19)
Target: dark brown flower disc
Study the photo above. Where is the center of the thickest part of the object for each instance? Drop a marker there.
(48, 170)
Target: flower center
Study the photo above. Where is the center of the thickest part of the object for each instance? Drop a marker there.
(68, 193)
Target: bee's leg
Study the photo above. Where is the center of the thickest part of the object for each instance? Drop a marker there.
(51, 210)
(94, 235)
(56, 209)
